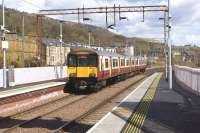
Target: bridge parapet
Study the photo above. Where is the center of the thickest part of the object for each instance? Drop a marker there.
(189, 78)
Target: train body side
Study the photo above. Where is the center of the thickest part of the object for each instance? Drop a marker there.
(93, 68)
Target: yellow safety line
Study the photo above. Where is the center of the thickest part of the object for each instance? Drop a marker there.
(136, 121)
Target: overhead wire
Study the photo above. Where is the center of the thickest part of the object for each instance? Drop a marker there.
(30, 3)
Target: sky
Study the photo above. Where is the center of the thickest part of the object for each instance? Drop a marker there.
(185, 17)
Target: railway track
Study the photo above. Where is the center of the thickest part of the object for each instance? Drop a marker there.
(84, 123)
(25, 117)
(105, 107)
(57, 119)
(62, 113)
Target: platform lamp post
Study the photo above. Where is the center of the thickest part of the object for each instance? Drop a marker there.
(4, 46)
(61, 50)
(165, 43)
(89, 38)
(169, 45)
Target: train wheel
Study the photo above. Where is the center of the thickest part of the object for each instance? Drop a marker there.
(96, 87)
(68, 87)
(76, 87)
(104, 83)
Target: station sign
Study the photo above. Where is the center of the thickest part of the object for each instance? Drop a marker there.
(5, 44)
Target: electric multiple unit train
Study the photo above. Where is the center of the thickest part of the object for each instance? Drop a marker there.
(90, 68)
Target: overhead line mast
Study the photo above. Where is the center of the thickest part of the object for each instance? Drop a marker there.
(95, 10)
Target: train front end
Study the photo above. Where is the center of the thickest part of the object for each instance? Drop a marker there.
(82, 69)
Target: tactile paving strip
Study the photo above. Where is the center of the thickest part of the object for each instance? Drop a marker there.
(136, 120)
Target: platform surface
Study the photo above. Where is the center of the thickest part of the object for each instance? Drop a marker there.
(114, 121)
(170, 111)
(28, 88)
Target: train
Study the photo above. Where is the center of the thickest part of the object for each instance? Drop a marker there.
(92, 69)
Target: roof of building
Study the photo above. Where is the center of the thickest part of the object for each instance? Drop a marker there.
(50, 41)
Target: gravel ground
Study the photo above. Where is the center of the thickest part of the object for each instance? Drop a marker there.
(54, 120)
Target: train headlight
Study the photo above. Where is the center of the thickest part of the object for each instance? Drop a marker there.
(92, 75)
(72, 75)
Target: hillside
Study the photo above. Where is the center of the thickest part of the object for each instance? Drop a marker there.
(28, 55)
(72, 32)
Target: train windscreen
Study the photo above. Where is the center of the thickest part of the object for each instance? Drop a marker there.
(72, 61)
(82, 61)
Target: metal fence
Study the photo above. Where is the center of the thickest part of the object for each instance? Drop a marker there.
(189, 77)
(20, 76)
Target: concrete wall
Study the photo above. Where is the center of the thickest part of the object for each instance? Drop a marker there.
(35, 74)
(190, 77)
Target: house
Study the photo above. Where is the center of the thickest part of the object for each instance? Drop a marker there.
(187, 56)
(55, 55)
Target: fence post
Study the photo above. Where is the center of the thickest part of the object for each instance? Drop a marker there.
(198, 75)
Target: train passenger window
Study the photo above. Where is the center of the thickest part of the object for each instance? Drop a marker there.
(127, 62)
(122, 62)
(106, 63)
(113, 63)
(135, 62)
(132, 62)
(116, 62)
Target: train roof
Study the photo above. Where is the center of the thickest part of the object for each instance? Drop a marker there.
(98, 52)
(103, 53)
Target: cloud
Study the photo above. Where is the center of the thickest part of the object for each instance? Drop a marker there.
(185, 16)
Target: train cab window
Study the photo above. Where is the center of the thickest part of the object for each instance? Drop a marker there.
(106, 63)
(72, 61)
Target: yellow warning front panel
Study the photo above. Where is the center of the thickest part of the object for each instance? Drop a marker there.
(71, 70)
(86, 71)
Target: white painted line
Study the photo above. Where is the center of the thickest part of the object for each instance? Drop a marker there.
(102, 119)
(132, 93)
(98, 123)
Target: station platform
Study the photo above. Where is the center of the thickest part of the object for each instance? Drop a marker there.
(28, 88)
(152, 107)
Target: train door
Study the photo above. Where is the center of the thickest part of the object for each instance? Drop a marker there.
(102, 67)
(119, 65)
(110, 66)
